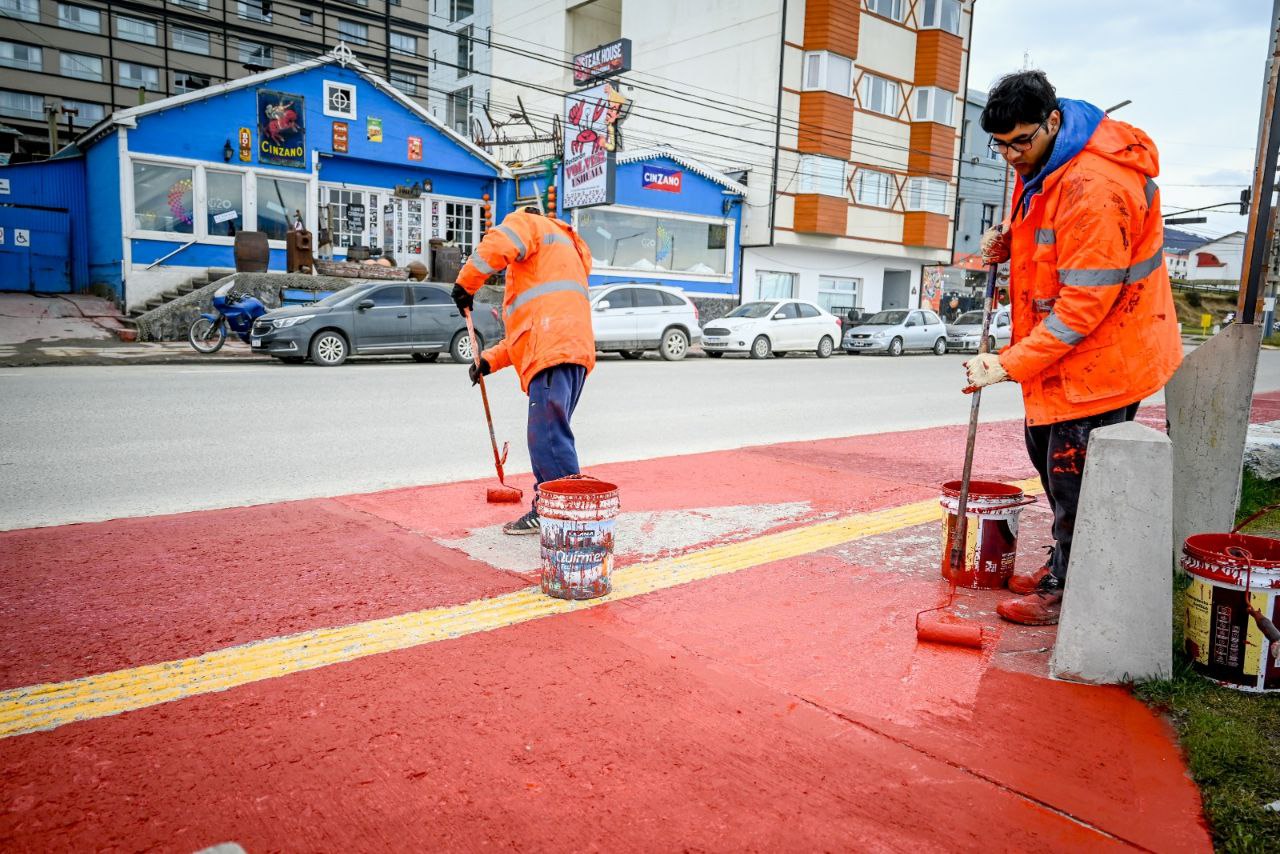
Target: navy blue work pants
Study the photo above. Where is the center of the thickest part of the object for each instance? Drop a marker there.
(553, 395)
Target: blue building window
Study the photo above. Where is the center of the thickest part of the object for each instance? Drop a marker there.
(644, 242)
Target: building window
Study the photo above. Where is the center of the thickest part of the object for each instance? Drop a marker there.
(190, 41)
(466, 51)
(644, 242)
(405, 44)
(350, 31)
(935, 105)
(460, 225)
(254, 11)
(339, 100)
(823, 175)
(139, 76)
(252, 53)
(134, 30)
(876, 189)
(163, 198)
(941, 15)
(927, 194)
(460, 110)
(21, 56)
(405, 82)
(774, 285)
(306, 17)
(338, 201)
(880, 95)
(838, 295)
(201, 5)
(185, 81)
(23, 10)
(988, 217)
(80, 66)
(85, 113)
(224, 203)
(892, 9)
(292, 55)
(363, 3)
(459, 9)
(278, 200)
(828, 71)
(79, 18)
(21, 105)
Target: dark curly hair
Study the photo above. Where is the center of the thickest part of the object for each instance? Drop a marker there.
(1024, 97)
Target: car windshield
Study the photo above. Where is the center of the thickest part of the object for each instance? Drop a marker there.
(752, 309)
(886, 318)
(342, 295)
(969, 318)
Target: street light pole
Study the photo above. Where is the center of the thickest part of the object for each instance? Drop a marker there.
(1264, 182)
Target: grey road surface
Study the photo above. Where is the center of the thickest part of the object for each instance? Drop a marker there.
(85, 444)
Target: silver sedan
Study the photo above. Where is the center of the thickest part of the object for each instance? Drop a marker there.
(965, 332)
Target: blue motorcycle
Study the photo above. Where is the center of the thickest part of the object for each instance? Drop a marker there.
(208, 332)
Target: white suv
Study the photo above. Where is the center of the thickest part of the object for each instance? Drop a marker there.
(629, 318)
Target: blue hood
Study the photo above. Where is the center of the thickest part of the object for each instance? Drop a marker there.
(1079, 120)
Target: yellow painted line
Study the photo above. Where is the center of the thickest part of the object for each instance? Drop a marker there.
(42, 707)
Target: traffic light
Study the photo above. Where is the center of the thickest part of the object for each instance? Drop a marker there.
(1244, 201)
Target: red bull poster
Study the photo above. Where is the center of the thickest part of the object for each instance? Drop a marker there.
(282, 137)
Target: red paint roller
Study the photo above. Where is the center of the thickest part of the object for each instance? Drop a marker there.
(501, 494)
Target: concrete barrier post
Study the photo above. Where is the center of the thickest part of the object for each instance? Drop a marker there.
(1117, 621)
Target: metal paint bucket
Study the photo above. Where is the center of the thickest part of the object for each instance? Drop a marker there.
(991, 534)
(1232, 607)
(577, 516)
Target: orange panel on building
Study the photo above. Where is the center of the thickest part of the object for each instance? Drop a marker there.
(932, 149)
(832, 25)
(922, 228)
(939, 55)
(826, 124)
(818, 214)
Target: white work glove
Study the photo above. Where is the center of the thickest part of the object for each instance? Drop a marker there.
(995, 245)
(985, 370)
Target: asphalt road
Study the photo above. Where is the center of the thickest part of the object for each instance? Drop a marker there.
(92, 443)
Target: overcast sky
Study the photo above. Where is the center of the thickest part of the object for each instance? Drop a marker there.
(1192, 69)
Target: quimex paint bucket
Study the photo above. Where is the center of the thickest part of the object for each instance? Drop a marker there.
(577, 515)
(991, 535)
(1231, 609)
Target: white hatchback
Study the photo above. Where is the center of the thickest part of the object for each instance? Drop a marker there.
(772, 327)
(630, 318)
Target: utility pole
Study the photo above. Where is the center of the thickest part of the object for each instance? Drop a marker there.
(51, 114)
(1264, 182)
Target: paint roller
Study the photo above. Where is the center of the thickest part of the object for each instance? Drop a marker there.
(500, 494)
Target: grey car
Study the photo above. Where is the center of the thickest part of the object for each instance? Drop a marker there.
(374, 318)
(896, 331)
(965, 331)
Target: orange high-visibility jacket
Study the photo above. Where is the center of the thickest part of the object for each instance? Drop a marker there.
(546, 307)
(1094, 326)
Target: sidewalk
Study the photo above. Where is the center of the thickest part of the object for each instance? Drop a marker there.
(376, 672)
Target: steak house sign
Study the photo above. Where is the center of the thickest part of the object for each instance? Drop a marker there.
(601, 62)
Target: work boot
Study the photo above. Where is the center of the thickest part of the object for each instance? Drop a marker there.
(1039, 608)
(526, 524)
(1023, 583)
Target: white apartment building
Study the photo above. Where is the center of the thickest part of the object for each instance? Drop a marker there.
(460, 63)
(843, 120)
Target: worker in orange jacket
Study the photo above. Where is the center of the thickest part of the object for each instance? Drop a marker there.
(548, 324)
(1094, 326)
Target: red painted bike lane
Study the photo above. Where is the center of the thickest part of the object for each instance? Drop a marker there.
(786, 706)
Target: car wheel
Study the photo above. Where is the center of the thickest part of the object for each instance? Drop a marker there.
(460, 347)
(630, 355)
(675, 344)
(761, 348)
(329, 349)
(940, 347)
(895, 347)
(825, 346)
(991, 344)
(714, 354)
(425, 357)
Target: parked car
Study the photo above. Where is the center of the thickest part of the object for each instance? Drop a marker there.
(897, 330)
(630, 317)
(417, 319)
(774, 327)
(965, 331)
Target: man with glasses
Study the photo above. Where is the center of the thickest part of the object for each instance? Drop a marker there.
(1094, 326)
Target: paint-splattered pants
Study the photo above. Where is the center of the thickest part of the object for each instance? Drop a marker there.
(553, 395)
(1057, 451)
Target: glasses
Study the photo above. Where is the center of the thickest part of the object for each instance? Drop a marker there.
(1021, 144)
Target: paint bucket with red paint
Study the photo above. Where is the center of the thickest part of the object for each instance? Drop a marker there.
(991, 534)
(577, 516)
(1231, 608)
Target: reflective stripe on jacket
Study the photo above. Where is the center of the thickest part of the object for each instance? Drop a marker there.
(1094, 324)
(546, 307)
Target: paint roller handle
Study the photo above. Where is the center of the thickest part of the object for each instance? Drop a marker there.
(498, 458)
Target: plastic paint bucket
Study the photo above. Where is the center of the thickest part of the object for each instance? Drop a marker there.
(1223, 635)
(991, 535)
(577, 515)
